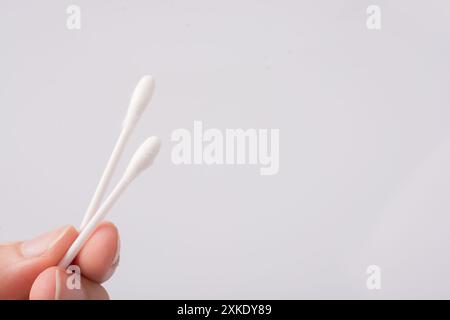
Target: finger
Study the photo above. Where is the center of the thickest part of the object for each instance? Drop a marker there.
(56, 283)
(22, 262)
(99, 257)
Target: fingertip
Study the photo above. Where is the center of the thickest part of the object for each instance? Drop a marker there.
(58, 284)
(62, 244)
(99, 255)
(110, 226)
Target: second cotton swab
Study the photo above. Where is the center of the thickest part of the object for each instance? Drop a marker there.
(139, 100)
(142, 159)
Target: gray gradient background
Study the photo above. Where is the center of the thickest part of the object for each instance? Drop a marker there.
(364, 126)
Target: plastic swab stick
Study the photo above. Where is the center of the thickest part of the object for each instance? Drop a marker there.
(142, 159)
(139, 100)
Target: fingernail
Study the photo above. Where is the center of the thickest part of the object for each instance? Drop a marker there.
(114, 264)
(117, 256)
(43, 243)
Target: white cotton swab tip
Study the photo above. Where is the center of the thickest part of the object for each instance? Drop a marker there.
(140, 98)
(141, 160)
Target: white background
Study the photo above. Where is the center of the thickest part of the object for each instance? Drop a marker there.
(364, 141)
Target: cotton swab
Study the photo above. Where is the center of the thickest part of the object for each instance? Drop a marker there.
(139, 100)
(141, 160)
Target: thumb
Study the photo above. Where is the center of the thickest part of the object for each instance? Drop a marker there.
(21, 262)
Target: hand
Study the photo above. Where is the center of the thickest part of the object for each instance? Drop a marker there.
(28, 269)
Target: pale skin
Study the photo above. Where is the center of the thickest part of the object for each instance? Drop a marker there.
(28, 269)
